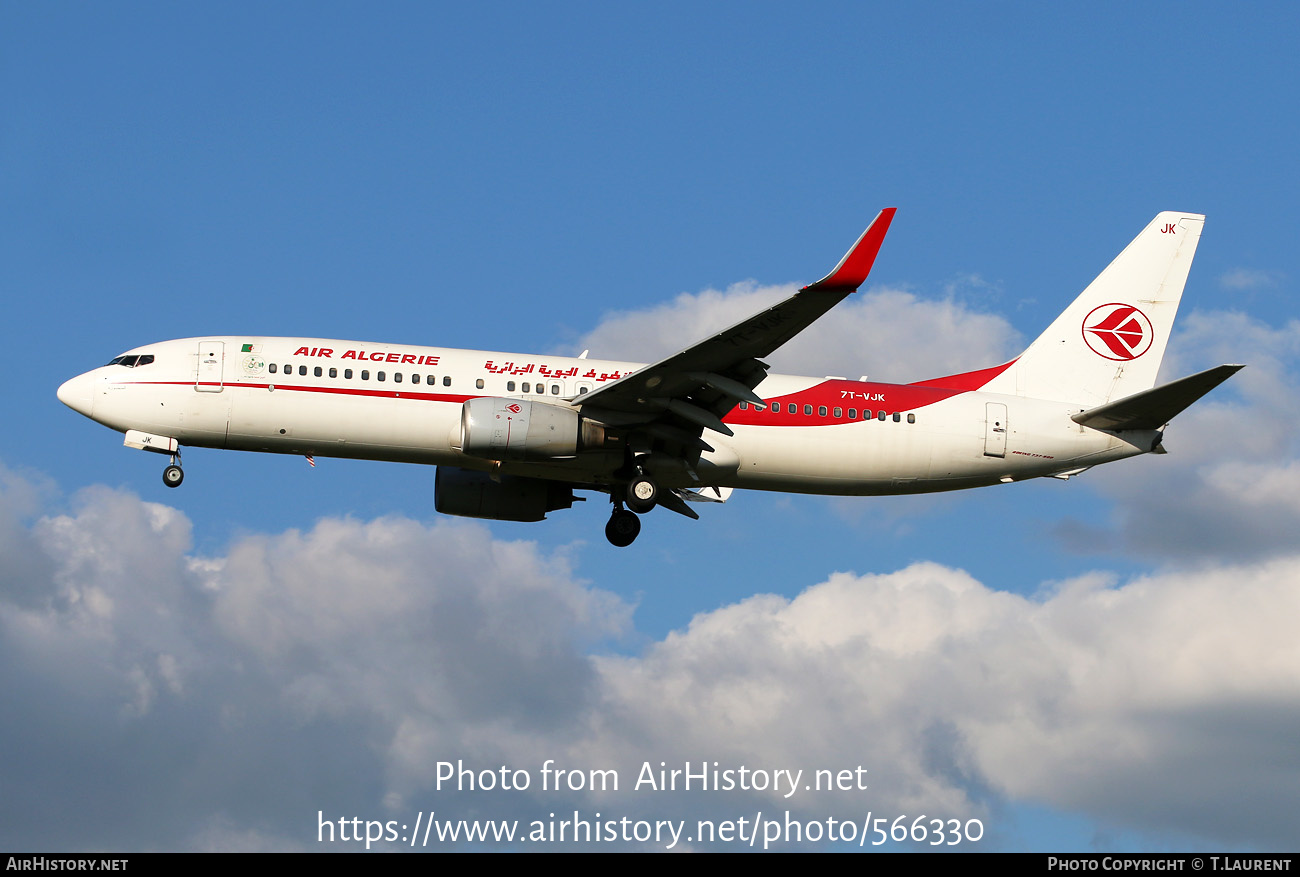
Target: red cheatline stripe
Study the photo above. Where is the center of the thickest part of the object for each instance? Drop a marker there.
(340, 391)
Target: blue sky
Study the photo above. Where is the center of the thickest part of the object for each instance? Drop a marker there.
(560, 176)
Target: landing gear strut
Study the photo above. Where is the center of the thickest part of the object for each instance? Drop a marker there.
(623, 528)
(641, 495)
(172, 475)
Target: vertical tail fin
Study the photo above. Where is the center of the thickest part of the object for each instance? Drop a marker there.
(1108, 344)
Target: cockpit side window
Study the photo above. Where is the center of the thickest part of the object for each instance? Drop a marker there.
(133, 360)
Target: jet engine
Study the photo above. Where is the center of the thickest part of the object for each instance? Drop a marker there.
(473, 494)
(498, 428)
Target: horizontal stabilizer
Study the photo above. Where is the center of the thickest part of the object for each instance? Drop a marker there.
(1152, 409)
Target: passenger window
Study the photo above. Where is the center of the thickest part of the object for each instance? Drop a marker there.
(807, 411)
(911, 418)
(897, 417)
(510, 386)
(527, 386)
(288, 369)
(319, 371)
(744, 406)
(347, 373)
(555, 389)
(853, 414)
(446, 380)
(334, 373)
(821, 410)
(794, 409)
(365, 374)
(582, 391)
(272, 369)
(881, 417)
(379, 376)
(479, 383)
(839, 412)
(302, 370)
(397, 377)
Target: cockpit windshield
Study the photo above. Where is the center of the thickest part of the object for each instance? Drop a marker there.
(133, 360)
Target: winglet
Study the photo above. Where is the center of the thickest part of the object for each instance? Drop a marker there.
(853, 269)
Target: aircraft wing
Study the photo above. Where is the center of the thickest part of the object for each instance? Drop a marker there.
(676, 398)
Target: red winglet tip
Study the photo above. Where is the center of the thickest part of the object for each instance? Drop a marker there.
(852, 270)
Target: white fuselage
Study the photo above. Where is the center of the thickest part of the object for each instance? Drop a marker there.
(403, 403)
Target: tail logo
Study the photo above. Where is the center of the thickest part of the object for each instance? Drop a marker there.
(1117, 331)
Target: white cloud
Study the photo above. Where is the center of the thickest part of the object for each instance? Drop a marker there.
(1118, 702)
(223, 701)
(1248, 278)
(888, 334)
(271, 682)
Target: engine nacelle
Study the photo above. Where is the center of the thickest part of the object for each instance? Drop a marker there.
(473, 494)
(498, 428)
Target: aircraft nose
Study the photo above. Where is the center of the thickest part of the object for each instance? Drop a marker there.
(78, 393)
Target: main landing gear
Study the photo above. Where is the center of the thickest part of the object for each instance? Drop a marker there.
(623, 528)
(641, 495)
(172, 475)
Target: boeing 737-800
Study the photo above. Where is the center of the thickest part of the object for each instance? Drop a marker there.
(515, 435)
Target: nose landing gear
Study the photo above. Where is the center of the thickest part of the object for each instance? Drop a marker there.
(172, 475)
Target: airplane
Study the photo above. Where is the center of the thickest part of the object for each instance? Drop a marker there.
(514, 436)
